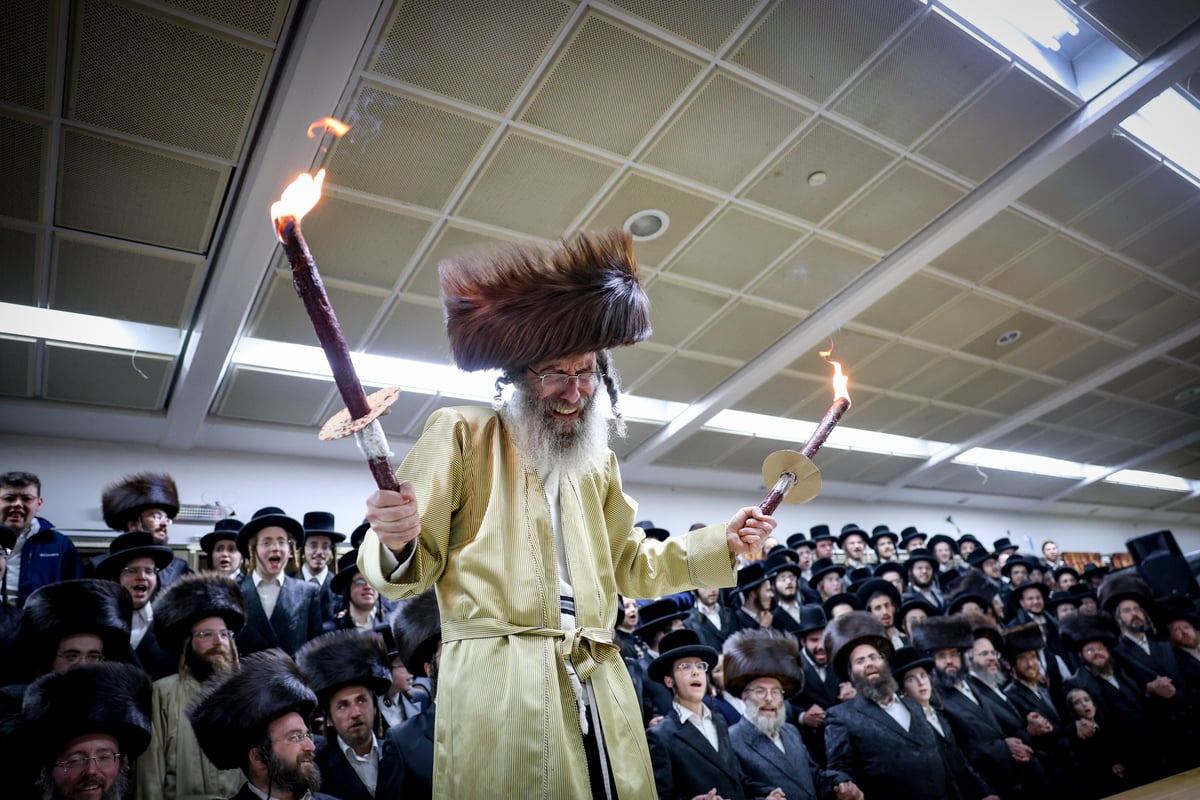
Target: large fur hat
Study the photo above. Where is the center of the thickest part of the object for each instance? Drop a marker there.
(339, 659)
(67, 608)
(528, 304)
(232, 710)
(762, 653)
(850, 630)
(192, 598)
(417, 628)
(112, 699)
(129, 497)
(1080, 629)
(983, 627)
(1123, 586)
(942, 633)
(1023, 638)
(973, 586)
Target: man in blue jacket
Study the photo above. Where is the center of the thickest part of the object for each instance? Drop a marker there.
(41, 555)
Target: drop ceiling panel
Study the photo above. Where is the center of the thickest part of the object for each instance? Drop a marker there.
(23, 164)
(888, 365)
(405, 149)
(635, 434)
(884, 413)
(20, 266)
(938, 376)
(677, 312)
(19, 357)
(749, 457)
(478, 51)
(271, 397)
(1136, 424)
(1088, 287)
(733, 249)
(723, 133)
(1120, 309)
(848, 161)
(1148, 199)
(779, 395)
(1034, 272)
(982, 389)
(633, 363)
(961, 428)
(813, 47)
(1030, 326)
(993, 243)
(703, 449)
(413, 331)
(1165, 241)
(1113, 494)
(705, 22)
(743, 331)
(634, 193)
(586, 94)
(112, 188)
(1023, 394)
(451, 242)
(813, 274)
(909, 303)
(957, 320)
(1092, 358)
(851, 347)
(1144, 28)
(963, 478)
(896, 207)
(1184, 271)
(1048, 347)
(873, 470)
(262, 18)
(919, 80)
(31, 30)
(986, 134)
(123, 281)
(683, 379)
(361, 243)
(1161, 320)
(195, 89)
(926, 418)
(281, 316)
(105, 377)
(1088, 178)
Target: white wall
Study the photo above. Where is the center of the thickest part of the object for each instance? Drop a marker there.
(74, 472)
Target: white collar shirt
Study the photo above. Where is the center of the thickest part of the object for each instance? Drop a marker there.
(711, 613)
(268, 591)
(365, 767)
(318, 578)
(932, 717)
(898, 711)
(1143, 643)
(143, 618)
(703, 722)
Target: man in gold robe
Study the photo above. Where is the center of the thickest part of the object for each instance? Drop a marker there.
(517, 517)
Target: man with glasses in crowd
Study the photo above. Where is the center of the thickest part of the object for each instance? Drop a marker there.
(149, 502)
(40, 555)
(134, 561)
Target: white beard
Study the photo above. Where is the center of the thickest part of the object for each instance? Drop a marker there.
(573, 447)
(767, 726)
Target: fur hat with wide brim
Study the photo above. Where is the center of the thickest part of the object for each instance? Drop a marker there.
(1080, 629)
(417, 628)
(984, 627)
(69, 608)
(1023, 638)
(192, 598)
(528, 304)
(112, 699)
(1123, 586)
(764, 653)
(942, 633)
(848, 631)
(126, 499)
(232, 710)
(339, 659)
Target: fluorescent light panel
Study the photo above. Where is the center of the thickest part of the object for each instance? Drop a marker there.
(67, 326)
(1151, 480)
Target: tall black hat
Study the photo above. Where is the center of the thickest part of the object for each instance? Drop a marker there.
(942, 633)
(127, 547)
(1023, 638)
(980, 556)
(126, 499)
(907, 659)
(233, 709)
(763, 653)
(659, 614)
(881, 532)
(750, 576)
(69, 608)
(798, 540)
(780, 559)
(849, 530)
(920, 554)
(112, 699)
(812, 618)
(822, 567)
(874, 586)
(269, 517)
(683, 643)
(333, 661)
(943, 538)
(910, 533)
(225, 529)
(820, 533)
(358, 534)
(969, 537)
(1016, 560)
(192, 598)
(1091, 570)
(347, 568)
(1065, 570)
(839, 599)
(320, 523)
(1004, 544)
(652, 530)
(417, 628)
(848, 631)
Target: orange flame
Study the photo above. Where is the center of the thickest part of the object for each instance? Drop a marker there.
(299, 197)
(841, 381)
(334, 126)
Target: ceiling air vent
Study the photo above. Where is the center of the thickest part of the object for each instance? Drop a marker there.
(190, 512)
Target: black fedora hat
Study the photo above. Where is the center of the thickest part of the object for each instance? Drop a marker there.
(956, 605)
(268, 517)
(127, 547)
(798, 540)
(914, 603)
(658, 614)
(750, 576)
(1004, 544)
(822, 567)
(812, 618)
(876, 586)
(320, 523)
(778, 557)
(1014, 599)
(347, 568)
(969, 537)
(941, 537)
(676, 645)
(1065, 570)
(1091, 570)
(849, 530)
(885, 567)
(980, 557)
(224, 529)
(357, 535)
(910, 533)
(653, 531)
(906, 659)
(839, 599)
(1014, 561)
(820, 533)
(920, 554)
(881, 532)
(1059, 598)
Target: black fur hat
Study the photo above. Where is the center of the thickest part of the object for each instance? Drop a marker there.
(417, 627)
(339, 659)
(942, 633)
(1080, 629)
(1023, 638)
(128, 498)
(68, 608)
(848, 631)
(1123, 586)
(231, 712)
(528, 304)
(192, 598)
(112, 699)
(763, 653)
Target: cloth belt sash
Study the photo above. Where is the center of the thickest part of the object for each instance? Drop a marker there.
(583, 647)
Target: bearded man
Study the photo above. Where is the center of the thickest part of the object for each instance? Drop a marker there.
(517, 515)
(196, 621)
(149, 502)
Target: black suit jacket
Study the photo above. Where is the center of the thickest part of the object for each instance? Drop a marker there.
(1002, 709)
(763, 764)
(339, 779)
(981, 738)
(821, 692)
(172, 572)
(708, 633)
(410, 747)
(153, 659)
(865, 745)
(295, 620)
(685, 764)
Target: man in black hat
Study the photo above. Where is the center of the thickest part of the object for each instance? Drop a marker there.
(883, 541)
(1065, 577)
(135, 561)
(39, 555)
(655, 621)
(317, 555)
(280, 610)
(359, 605)
(220, 545)
(821, 689)
(853, 542)
(827, 578)
(84, 727)
(800, 544)
(944, 549)
(1183, 628)
(348, 670)
(763, 668)
(195, 623)
(823, 541)
(912, 539)
(398, 704)
(968, 544)
(711, 621)
(789, 585)
(149, 502)
(922, 576)
(758, 599)
(882, 600)
(416, 626)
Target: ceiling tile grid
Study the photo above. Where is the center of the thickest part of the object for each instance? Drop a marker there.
(20, 265)
(23, 163)
(28, 55)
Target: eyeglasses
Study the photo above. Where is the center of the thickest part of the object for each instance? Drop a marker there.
(157, 516)
(759, 692)
(296, 737)
(359, 583)
(76, 657)
(692, 666)
(146, 571)
(76, 764)
(558, 381)
(204, 636)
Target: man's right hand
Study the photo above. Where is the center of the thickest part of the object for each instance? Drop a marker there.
(1019, 751)
(1161, 686)
(814, 716)
(712, 795)
(847, 790)
(846, 692)
(394, 517)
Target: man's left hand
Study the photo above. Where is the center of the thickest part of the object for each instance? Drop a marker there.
(747, 530)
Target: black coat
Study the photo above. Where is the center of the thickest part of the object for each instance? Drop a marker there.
(708, 633)
(685, 764)
(967, 781)
(339, 779)
(295, 620)
(763, 764)
(157, 662)
(865, 745)
(172, 572)
(410, 747)
(823, 693)
(981, 738)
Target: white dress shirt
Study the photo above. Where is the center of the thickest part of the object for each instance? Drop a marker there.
(143, 618)
(932, 717)
(365, 767)
(318, 578)
(897, 711)
(712, 613)
(703, 722)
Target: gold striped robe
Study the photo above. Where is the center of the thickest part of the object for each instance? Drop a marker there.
(507, 722)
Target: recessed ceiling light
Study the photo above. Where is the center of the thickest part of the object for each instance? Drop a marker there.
(1007, 338)
(818, 178)
(1188, 394)
(648, 224)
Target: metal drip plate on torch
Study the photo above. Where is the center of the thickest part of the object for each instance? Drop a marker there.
(808, 477)
(340, 425)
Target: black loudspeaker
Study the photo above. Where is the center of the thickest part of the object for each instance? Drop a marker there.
(1162, 565)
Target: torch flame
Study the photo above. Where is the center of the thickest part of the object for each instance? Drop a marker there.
(841, 381)
(298, 198)
(331, 124)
